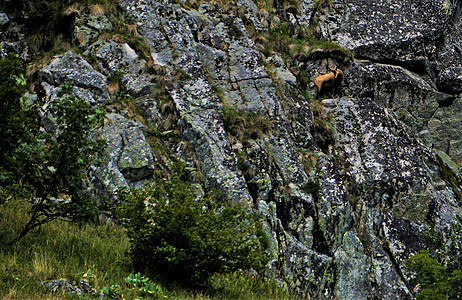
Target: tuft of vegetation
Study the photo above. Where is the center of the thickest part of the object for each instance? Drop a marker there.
(322, 129)
(180, 74)
(238, 285)
(294, 42)
(244, 125)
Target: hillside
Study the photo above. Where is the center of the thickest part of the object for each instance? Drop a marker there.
(345, 179)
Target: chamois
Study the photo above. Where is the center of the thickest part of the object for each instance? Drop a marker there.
(329, 81)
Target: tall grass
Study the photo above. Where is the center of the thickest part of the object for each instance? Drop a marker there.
(247, 287)
(57, 250)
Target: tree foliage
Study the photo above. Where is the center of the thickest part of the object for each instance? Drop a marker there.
(188, 238)
(45, 168)
(439, 273)
(17, 123)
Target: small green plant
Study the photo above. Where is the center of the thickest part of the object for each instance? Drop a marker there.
(143, 286)
(136, 280)
(136, 286)
(113, 292)
(121, 97)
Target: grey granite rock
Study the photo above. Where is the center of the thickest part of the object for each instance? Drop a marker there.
(70, 67)
(87, 27)
(4, 19)
(128, 160)
(81, 288)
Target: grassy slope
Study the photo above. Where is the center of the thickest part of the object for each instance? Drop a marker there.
(66, 250)
(57, 250)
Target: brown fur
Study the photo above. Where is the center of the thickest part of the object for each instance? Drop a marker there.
(329, 81)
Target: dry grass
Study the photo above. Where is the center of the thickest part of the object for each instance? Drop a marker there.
(97, 10)
(56, 250)
(75, 9)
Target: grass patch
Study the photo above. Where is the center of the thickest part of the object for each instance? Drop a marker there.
(244, 125)
(323, 129)
(56, 250)
(238, 285)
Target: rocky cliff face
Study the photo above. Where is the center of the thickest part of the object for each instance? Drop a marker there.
(344, 184)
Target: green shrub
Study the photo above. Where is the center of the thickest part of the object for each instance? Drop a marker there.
(188, 239)
(435, 279)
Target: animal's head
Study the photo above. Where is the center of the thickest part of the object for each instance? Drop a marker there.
(338, 74)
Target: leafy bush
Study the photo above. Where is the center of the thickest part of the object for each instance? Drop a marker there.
(188, 239)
